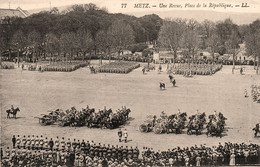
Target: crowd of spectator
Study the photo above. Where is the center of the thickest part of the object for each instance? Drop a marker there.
(40, 151)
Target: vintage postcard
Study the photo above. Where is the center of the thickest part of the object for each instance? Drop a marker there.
(130, 83)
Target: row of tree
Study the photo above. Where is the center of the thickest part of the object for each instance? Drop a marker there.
(80, 29)
(221, 37)
(83, 29)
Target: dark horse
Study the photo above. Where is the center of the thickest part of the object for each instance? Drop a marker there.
(162, 85)
(14, 112)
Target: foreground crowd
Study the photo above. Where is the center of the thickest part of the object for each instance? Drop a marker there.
(40, 151)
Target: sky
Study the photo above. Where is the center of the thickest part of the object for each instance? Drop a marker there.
(114, 6)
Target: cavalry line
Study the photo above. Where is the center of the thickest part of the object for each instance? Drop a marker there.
(35, 93)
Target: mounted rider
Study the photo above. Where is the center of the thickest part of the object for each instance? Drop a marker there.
(163, 115)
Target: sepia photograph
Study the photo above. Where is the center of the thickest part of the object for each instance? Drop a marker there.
(129, 83)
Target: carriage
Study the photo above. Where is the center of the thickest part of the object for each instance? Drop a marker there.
(46, 120)
(165, 124)
(148, 124)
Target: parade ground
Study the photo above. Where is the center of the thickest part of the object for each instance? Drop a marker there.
(35, 93)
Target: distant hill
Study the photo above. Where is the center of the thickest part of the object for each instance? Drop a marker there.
(238, 18)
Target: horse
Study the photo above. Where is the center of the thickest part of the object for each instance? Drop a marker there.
(162, 85)
(173, 82)
(171, 77)
(256, 129)
(12, 111)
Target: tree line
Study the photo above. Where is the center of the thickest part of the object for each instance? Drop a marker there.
(82, 29)
(88, 29)
(221, 37)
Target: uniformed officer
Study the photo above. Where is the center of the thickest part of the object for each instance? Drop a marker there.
(41, 142)
(28, 142)
(33, 142)
(68, 144)
(87, 148)
(46, 144)
(14, 141)
(18, 142)
(104, 151)
(109, 152)
(130, 153)
(51, 143)
(135, 154)
(119, 133)
(57, 143)
(62, 143)
(24, 141)
(74, 144)
(125, 135)
(100, 150)
(37, 143)
(91, 151)
(96, 150)
(62, 157)
(113, 150)
(120, 153)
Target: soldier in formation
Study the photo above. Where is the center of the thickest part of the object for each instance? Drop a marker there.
(67, 153)
(195, 69)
